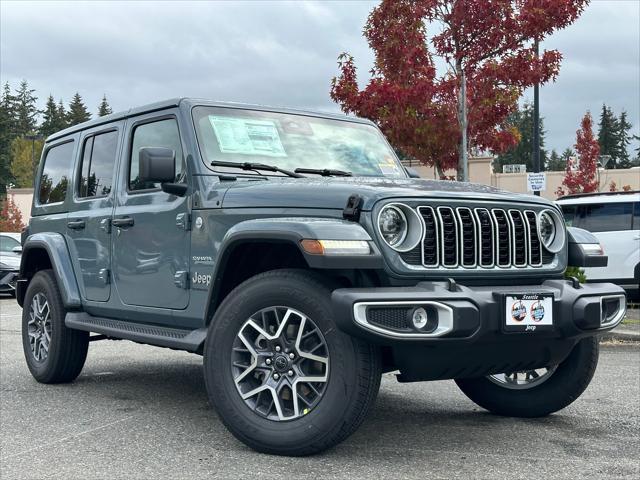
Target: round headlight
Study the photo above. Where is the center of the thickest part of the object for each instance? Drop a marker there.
(393, 225)
(551, 230)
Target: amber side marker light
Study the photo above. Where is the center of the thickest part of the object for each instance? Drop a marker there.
(335, 247)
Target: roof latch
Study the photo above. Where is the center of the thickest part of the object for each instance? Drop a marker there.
(352, 209)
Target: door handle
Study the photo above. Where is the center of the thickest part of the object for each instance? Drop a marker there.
(76, 224)
(122, 222)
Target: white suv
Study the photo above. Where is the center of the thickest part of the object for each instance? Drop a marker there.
(614, 218)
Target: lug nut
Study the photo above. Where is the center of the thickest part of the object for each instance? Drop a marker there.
(291, 355)
(276, 376)
(290, 373)
(268, 361)
(277, 348)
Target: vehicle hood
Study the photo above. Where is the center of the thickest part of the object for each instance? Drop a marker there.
(333, 192)
(10, 260)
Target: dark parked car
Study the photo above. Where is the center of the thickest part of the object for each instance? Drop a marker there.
(301, 259)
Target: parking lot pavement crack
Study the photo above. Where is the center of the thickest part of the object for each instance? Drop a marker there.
(70, 437)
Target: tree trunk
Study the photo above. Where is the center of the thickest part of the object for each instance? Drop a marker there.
(463, 161)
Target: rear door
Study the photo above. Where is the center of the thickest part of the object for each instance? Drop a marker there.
(151, 240)
(89, 220)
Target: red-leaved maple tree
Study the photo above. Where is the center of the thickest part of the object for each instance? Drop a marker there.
(10, 216)
(582, 178)
(487, 46)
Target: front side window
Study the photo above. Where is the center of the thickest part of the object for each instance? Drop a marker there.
(163, 133)
(293, 141)
(98, 162)
(55, 174)
(7, 244)
(606, 217)
(569, 212)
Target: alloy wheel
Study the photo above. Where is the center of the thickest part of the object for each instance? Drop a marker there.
(280, 363)
(523, 379)
(39, 327)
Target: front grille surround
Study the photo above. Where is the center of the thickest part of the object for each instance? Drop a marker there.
(482, 235)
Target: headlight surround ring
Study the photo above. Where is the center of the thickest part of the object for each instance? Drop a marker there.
(413, 229)
(551, 230)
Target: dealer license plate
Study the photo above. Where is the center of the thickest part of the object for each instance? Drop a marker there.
(528, 312)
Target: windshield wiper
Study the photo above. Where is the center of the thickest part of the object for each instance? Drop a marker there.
(255, 166)
(325, 172)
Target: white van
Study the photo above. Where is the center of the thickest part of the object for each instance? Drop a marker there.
(614, 218)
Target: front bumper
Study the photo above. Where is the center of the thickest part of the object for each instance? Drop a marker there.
(470, 339)
(8, 280)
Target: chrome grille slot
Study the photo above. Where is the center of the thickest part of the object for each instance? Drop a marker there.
(519, 238)
(503, 238)
(468, 242)
(448, 236)
(535, 246)
(485, 237)
(430, 240)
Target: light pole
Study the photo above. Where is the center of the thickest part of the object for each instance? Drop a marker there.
(536, 123)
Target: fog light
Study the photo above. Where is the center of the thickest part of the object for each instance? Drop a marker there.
(419, 318)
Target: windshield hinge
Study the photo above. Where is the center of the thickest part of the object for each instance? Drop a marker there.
(183, 221)
(352, 209)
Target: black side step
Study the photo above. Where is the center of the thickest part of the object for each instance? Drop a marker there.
(189, 340)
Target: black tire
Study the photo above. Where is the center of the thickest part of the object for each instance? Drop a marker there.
(67, 348)
(565, 385)
(353, 374)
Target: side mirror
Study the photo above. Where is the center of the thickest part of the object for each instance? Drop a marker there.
(585, 249)
(157, 165)
(17, 249)
(411, 172)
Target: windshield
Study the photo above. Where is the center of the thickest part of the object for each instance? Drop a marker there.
(292, 141)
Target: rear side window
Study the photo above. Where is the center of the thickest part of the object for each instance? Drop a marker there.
(7, 244)
(55, 174)
(636, 216)
(163, 133)
(98, 162)
(569, 212)
(605, 217)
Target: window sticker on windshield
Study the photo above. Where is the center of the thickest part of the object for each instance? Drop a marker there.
(247, 136)
(388, 166)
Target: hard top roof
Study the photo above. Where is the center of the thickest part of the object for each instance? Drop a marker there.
(192, 102)
(601, 197)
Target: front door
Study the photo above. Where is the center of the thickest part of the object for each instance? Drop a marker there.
(88, 226)
(151, 241)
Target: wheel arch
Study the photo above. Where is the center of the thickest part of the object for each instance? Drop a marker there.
(43, 251)
(259, 245)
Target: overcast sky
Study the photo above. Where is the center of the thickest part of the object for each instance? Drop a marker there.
(277, 53)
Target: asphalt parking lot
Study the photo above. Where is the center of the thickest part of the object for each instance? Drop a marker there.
(141, 412)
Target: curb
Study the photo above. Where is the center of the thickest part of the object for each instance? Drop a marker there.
(621, 335)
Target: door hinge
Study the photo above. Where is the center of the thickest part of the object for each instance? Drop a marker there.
(183, 221)
(105, 225)
(104, 275)
(181, 279)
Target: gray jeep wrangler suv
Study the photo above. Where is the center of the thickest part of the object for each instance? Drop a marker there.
(302, 260)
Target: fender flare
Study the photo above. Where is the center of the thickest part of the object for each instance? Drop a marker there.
(292, 231)
(56, 248)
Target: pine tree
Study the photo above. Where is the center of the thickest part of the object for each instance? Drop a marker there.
(25, 110)
(62, 116)
(624, 139)
(522, 121)
(78, 112)
(104, 108)
(608, 135)
(6, 136)
(556, 162)
(49, 117)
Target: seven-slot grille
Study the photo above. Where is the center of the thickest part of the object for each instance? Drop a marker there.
(463, 237)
